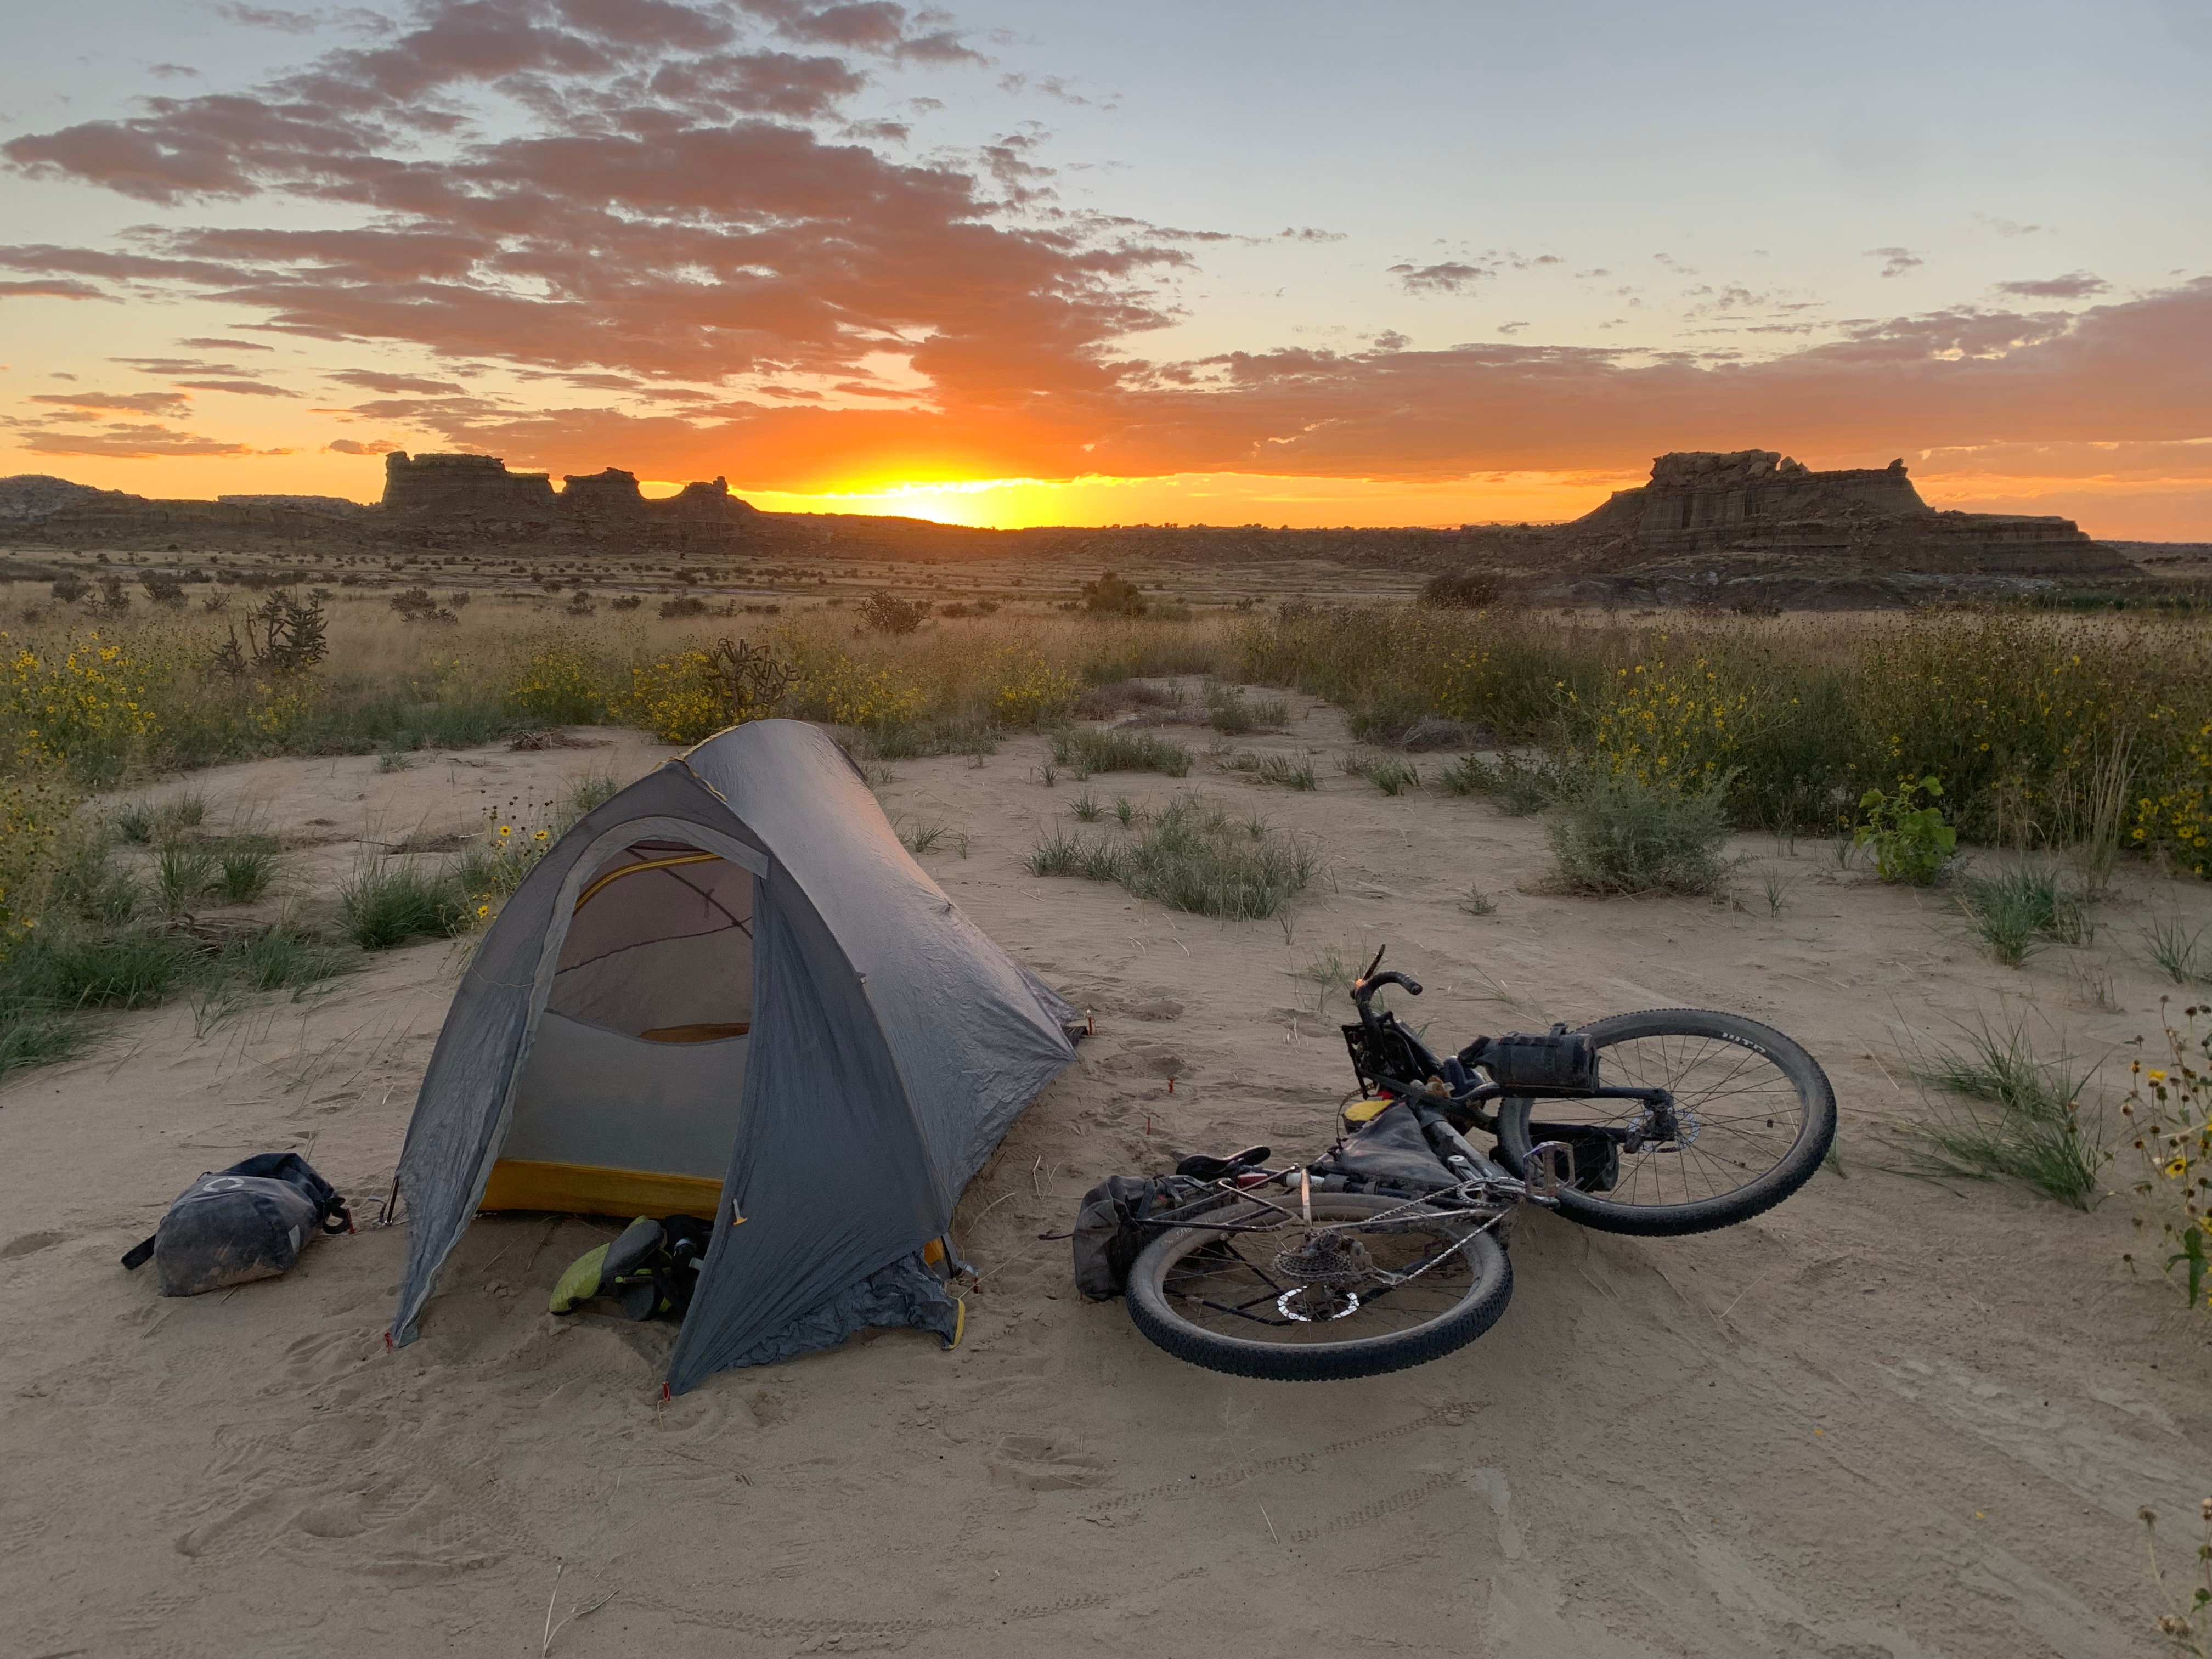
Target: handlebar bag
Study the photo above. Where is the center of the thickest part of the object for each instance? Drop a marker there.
(1559, 1058)
(250, 1221)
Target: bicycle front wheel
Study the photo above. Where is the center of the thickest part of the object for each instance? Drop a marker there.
(1755, 1115)
(1399, 1283)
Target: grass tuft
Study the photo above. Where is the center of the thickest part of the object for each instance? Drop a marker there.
(2178, 951)
(2017, 1115)
(290, 959)
(1517, 785)
(1189, 856)
(244, 869)
(1089, 749)
(2016, 912)
(183, 871)
(388, 904)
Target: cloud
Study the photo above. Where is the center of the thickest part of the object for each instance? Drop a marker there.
(174, 72)
(664, 213)
(138, 403)
(53, 288)
(2008, 226)
(351, 447)
(2074, 285)
(370, 380)
(1896, 261)
(207, 344)
(240, 388)
(1309, 233)
(263, 17)
(129, 442)
(1450, 277)
(171, 367)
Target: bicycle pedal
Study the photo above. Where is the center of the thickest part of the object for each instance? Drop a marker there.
(1548, 1170)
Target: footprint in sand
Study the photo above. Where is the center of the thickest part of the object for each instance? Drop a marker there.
(1039, 1464)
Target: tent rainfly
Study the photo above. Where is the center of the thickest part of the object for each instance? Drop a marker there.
(729, 992)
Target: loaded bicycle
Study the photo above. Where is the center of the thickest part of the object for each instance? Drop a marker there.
(1390, 1251)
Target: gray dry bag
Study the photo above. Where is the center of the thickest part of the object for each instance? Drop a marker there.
(250, 1221)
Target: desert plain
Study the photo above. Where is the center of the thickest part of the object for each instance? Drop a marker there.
(1898, 1416)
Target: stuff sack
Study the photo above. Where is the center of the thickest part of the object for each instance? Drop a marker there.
(250, 1221)
(1560, 1058)
(1110, 1226)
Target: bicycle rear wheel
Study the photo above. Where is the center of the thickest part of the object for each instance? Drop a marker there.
(1755, 1115)
(1222, 1300)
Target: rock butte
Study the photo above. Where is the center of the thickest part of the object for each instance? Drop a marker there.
(1748, 524)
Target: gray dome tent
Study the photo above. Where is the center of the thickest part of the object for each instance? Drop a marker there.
(729, 992)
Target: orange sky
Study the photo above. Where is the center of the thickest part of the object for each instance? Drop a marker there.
(693, 240)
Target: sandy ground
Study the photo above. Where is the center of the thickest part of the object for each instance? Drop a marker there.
(1889, 1419)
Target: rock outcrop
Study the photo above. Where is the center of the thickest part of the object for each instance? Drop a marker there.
(1761, 505)
(463, 490)
(434, 495)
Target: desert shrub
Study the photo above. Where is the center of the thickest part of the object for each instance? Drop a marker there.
(2009, 709)
(885, 612)
(2016, 1115)
(1230, 713)
(69, 589)
(1470, 590)
(626, 602)
(83, 706)
(1910, 841)
(684, 605)
(560, 683)
(1112, 750)
(1111, 596)
(1027, 691)
(389, 902)
(2168, 1115)
(285, 635)
(162, 590)
(1389, 667)
(678, 698)
(699, 690)
(1622, 833)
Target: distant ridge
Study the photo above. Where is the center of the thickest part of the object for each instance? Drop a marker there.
(29, 496)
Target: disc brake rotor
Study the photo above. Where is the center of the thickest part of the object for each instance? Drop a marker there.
(1310, 1304)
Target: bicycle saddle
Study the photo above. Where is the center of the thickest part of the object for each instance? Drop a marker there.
(1208, 1168)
